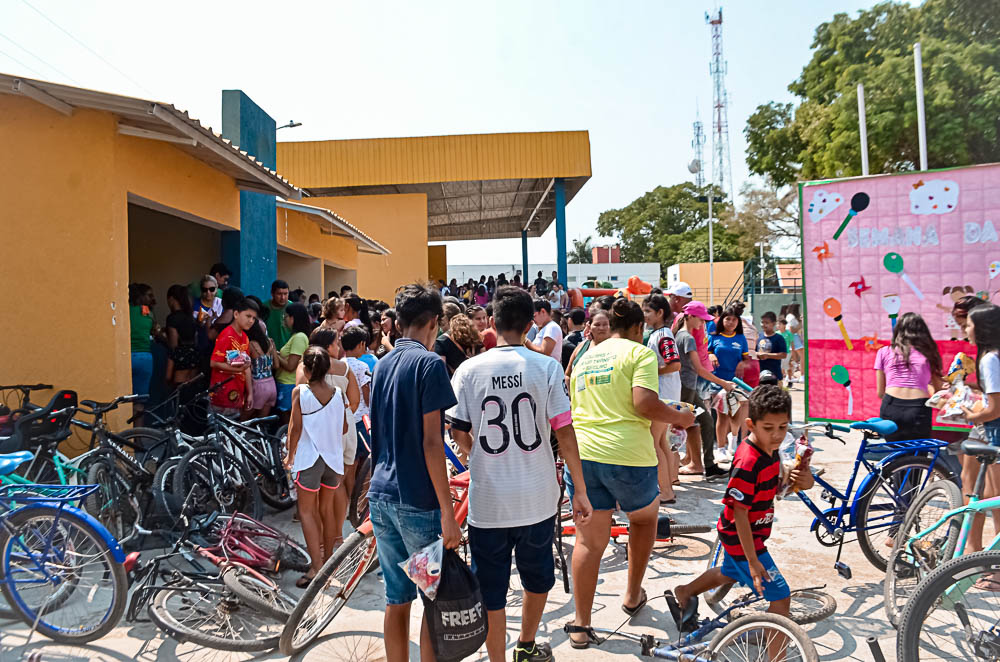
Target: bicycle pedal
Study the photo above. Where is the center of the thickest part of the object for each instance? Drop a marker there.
(843, 569)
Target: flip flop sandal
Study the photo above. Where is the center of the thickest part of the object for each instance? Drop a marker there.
(682, 472)
(632, 611)
(667, 502)
(304, 581)
(569, 628)
(987, 584)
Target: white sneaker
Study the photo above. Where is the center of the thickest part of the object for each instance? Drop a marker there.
(723, 456)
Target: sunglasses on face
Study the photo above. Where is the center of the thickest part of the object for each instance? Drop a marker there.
(208, 289)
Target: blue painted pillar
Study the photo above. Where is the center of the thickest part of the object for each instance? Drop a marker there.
(561, 231)
(252, 253)
(524, 257)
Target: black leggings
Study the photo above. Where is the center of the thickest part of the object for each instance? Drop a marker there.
(705, 422)
(912, 417)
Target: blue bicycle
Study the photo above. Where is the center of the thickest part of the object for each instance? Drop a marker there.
(62, 571)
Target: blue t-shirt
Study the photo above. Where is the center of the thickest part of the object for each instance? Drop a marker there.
(369, 360)
(729, 350)
(772, 345)
(406, 384)
(710, 327)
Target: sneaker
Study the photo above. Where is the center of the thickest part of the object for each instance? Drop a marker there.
(537, 653)
(723, 456)
(715, 472)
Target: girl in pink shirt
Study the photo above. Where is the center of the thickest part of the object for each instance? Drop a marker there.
(908, 372)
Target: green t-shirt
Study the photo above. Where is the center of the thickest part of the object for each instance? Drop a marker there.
(608, 428)
(788, 336)
(276, 328)
(297, 344)
(141, 327)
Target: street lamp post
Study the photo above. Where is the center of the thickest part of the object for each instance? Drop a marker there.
(760, 265)
(711, 244)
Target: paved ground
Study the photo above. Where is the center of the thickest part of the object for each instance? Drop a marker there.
(356, 633)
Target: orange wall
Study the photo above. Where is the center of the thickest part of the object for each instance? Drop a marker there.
(437, 263)
(398, 222)
(65, 236)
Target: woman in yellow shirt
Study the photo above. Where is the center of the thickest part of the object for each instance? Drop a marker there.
(615, 394)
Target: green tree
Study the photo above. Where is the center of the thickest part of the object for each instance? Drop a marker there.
(961, 67)
(581, 252)
(766, 215)
(669, 225)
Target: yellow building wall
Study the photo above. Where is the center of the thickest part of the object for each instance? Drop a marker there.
(696, 274)
(437, 263)
(398, 222)
(298, 232)
(65, 239)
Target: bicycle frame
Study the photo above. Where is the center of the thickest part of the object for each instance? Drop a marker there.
(68, 471)
(849, 498)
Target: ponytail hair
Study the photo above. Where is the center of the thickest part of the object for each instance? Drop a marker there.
(625, 314)
(316, 361)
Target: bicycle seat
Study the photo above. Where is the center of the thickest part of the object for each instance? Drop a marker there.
(879, 426)
(12, 461)
(981, 450)
(92, 404)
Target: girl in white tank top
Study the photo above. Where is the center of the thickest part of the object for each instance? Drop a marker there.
(316, 457)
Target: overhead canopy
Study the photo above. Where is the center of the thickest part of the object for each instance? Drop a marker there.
(487, 186)
(158, 121)
(331, 223)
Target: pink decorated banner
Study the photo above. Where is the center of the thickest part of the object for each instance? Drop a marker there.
(877, 247)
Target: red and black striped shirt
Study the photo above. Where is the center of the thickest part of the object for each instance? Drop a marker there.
(752, 484)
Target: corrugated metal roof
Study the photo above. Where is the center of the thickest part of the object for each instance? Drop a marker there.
(390, 161)
(340, 226)
(161, 121)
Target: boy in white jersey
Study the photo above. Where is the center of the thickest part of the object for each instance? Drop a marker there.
(509, 398)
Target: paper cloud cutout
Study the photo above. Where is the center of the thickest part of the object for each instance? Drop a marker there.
(822, 204)
(935, 196)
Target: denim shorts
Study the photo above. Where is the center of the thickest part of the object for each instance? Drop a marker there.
(142, 372)
(631, 488)
(532, 549)
(401, 530)
(284, 399)
(775, 588)
(992, 430)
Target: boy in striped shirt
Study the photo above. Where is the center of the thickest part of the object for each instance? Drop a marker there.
(745, 523)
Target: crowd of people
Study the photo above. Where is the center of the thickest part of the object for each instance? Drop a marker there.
(516, 381)
(481, 292)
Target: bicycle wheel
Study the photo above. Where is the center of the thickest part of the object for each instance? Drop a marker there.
(285, 551)
(229, 486)
(882, 507)
(60, 576)
(163, 490)
(328, 592)
(153, 446)
(211, 615)
(954, 612)
(907, 566)
(749, 639)
(358, 511)
(808, 606)
(109, 502)
(261, 594)
(717, 595)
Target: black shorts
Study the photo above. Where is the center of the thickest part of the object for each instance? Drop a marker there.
(531, 546)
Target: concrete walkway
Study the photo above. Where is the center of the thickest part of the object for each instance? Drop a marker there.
(355, 635)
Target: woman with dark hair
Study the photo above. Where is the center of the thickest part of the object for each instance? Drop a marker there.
(231, 296)
(907, 372)
(356, 312)
(296, 319)
(390, 333)
(183, 360)
(615, 397)
(656, 310)
(142, 327)
(263, 358)
(501, 280)
(491, 286)
(729, 352)
(960, 312)
(460, 342)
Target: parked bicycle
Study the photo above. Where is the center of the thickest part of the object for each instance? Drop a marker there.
(63, 572)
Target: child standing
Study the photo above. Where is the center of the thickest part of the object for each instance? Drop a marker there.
(353, 340)
(316, 456)
(231, 358)
(745, 523)
(657, 314)
(772, 349)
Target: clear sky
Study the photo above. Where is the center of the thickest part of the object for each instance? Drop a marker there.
(631, 73)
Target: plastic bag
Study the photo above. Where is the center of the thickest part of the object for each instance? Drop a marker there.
(456, 620)
(676, 437)
(424, 568)
(803, 451)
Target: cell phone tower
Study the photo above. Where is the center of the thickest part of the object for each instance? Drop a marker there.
(721, 162)
(698, 143)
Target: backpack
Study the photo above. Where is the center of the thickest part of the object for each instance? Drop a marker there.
(456, 617)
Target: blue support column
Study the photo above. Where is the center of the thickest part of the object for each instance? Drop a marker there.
(524, 257)
(252, 253)
(561, 266)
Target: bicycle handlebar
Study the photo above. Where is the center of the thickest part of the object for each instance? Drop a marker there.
(742, 384)
(27, 387)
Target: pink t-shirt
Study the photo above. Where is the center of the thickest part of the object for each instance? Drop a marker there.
(900, 375)
(701, 339)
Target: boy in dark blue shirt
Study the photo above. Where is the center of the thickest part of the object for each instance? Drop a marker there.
(771, 347)
(409, 497)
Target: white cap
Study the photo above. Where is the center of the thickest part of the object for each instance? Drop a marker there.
(681, 289)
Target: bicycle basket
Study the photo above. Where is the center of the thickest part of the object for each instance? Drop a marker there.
(36, 492)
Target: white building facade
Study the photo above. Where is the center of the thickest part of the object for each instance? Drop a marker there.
(616, 273)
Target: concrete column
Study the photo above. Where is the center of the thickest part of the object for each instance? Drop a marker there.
(251, 253)
(524, 257)
(561, 267)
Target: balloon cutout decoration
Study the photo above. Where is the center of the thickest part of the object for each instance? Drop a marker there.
(839, 375)
(891, 303)
(832, 308)
(894, 263)
(859, 203)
